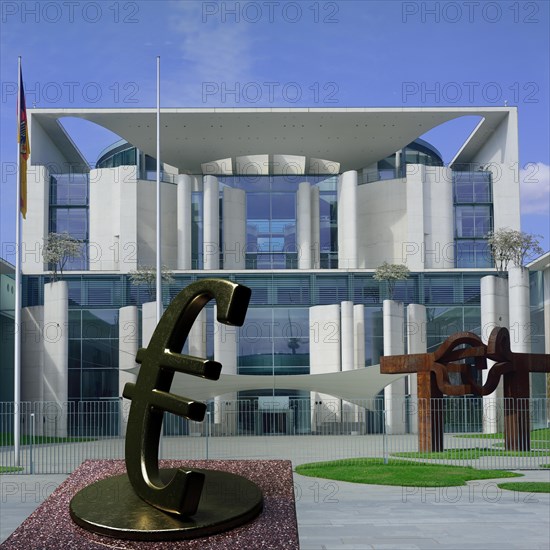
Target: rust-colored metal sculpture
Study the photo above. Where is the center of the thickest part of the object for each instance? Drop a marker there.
(149, 503)
(433, 382)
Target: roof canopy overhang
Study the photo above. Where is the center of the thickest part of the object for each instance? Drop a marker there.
(354, 137)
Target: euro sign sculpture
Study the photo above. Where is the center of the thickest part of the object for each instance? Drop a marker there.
(151, 398)
(149, 503)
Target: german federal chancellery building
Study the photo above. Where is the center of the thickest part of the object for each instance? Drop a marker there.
(301, 205)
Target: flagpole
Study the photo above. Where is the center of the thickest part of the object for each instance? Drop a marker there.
(159, 263)
(17, 306)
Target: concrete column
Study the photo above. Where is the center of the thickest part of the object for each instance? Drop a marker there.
(347, 220)
(128, 335)
(225, 351)
(347, 333)
(148, 322)
(211, 223)
(520, 311)
(315, 229)
(184, 214)
(32, 354)
(303, 225)
(347, 350)
(325, 357)
(494, 313)
(234, 228)
(416, 343)
(359, 336)
(394, 394)
(56, 355)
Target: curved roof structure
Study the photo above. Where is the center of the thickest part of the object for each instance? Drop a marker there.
(354, 137)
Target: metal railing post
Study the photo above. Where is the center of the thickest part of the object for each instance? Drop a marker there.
(384, 439)
(31, 444)
(207, 431)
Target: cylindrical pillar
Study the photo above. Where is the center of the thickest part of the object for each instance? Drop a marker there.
(315, 228)
(394, 394)
(56, 354)
(128, 331)
(359, 336)
(303, 225)
(347, 220)
(211, 223)
(324, 357)
(234, 228)
(225, 352)
(347, 333)
(494, 313)
(520, 312)
(184, 221)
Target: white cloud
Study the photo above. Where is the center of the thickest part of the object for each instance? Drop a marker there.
(213, 50)
(535, 189)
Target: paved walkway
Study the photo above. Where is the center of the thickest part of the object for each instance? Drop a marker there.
(347, 516)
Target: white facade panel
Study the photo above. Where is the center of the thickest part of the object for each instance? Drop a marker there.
(234, 228)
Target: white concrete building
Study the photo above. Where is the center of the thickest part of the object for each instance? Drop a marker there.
(299, 204)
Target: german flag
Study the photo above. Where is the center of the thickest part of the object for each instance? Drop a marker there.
(24, 146)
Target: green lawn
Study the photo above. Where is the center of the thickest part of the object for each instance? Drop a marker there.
(527, 486)
(398, 472)
(466, 454)
(6, 439)
(9, 469)
(542, 434)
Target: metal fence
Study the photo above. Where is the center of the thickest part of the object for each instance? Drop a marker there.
(56, 438)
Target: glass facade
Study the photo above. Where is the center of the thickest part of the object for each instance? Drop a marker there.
(276, 337)
(473, 209)
(69, 212)
(271, 217)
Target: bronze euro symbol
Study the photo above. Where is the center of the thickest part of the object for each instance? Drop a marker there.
(151, 395)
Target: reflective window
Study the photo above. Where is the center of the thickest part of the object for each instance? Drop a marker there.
(271, 219)
(69, 189)
(472, 187)
(473, 221)
(473, 253)
(69, 213)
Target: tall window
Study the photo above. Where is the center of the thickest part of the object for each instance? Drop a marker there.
(473, 218)
(69, 212)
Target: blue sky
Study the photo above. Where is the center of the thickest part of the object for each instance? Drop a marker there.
(283, 54)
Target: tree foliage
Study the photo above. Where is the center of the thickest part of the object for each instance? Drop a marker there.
(58, 249)
(147, 275)
(391, 273)
(509, 246)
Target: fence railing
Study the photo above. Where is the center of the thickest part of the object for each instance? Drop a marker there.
(58, 437)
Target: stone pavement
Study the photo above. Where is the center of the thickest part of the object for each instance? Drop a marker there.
(347, 516)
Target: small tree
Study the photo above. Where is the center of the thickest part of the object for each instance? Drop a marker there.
(512, 246)
(391, 273)
(147, 275)
(58, 249)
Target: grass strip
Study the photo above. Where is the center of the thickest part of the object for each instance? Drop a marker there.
(466, 454)
(398, 472)
(9, 469)
(527, 486)
(6, 439)
(541, 434)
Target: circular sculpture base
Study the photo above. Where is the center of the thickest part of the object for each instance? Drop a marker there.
(111, 507)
